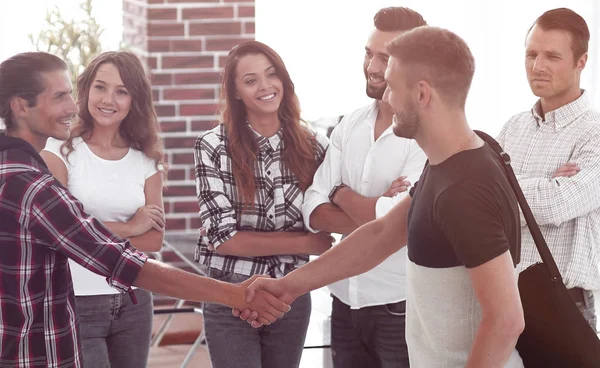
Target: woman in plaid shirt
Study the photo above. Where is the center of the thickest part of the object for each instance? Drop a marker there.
(251, 174)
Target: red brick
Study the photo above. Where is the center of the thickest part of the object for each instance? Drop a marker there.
(155, 95)
(218, 28)
(183, 159)
(198, 78)
(197, 109)
(186, 207)
(161, 79)
(249, 28)
(177, 174)
(224, 44)
(222, 61)
(175, 224)
(155, 1)
(191, 172)
(189, 94)
(208, 13)
(195, 223)
(152, 63)
(246, 11)
(202, 125)
(165, 29)
(186, 45)
(173, 126)
(177, 62)
(180, 191)
(180, 142)
(162, 14)
(165, 110)
(158, 45)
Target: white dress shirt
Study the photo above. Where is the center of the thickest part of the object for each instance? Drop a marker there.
(368, 167)
(566, 209)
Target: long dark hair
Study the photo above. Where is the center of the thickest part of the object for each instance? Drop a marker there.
(299, 155)
(140, 127)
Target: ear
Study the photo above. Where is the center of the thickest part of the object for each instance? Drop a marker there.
(581, 62)
(20, 107)
(424, 93)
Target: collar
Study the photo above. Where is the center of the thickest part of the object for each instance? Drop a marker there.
(268, 144)
(564, 115)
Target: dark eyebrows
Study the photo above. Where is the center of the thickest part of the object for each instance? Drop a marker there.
(103, 82)
(60, 94)
(247, 74)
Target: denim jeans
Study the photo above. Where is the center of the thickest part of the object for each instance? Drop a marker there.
(588, 309)
(371, 337)
(233, 343)
(115, 332)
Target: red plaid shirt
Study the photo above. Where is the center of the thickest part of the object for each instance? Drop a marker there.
(41, 226)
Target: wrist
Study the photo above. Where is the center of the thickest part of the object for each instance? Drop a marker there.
(340, 195)
(334, 191)
(233, 295)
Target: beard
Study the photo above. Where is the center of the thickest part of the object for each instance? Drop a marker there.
(372, 91)
(406, 123)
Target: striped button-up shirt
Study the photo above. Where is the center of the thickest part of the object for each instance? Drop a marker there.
(277, 203)
(41, 227)
(567, 209)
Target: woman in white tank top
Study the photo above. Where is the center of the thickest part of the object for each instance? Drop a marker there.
(113, 163)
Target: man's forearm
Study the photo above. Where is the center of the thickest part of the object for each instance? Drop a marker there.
(360, 209)
(331, 219)
(493, 345)
(160, 278)
(362, 250)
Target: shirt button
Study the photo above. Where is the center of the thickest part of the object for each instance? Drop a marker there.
(270, 216)
(269, 172)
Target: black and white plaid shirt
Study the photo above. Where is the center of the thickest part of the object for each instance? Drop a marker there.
(278, 202)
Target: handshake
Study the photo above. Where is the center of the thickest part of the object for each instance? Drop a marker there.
(262, 300)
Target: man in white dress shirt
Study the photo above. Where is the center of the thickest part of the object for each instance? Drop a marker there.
(555, 150)
(366, 171)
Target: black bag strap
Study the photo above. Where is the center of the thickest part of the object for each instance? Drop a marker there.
(538, 238)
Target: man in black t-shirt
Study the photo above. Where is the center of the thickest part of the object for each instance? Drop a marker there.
(462, 223)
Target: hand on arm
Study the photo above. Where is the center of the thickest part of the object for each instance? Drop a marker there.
(566, 171)
(362, 209)
(502, 320)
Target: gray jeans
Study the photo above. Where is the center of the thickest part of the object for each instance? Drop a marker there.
(588, 309)
(232, 343)
(115, 332)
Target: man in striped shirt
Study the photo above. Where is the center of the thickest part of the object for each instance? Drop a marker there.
(555, 149)
(42, 226)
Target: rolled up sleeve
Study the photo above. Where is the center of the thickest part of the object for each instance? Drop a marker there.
(60, 223)
(217, 214)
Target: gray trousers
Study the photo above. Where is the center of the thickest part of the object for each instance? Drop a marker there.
(233, 343)
(114, 332)
(588, 309)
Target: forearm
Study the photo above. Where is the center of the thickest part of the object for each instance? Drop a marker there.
(493, 345)
(331, 219)
(360, 209)
(362, 250)
(150, 241)
(162, 279)
(122, 229)
(258, 244)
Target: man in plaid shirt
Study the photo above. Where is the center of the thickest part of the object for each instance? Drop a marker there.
(554, 149)
(43, 226)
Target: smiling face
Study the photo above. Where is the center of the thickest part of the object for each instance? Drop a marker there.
(109, 100)
(400, 96)
(54, 109)
(552, 71)
(258, 85)
(376, 61)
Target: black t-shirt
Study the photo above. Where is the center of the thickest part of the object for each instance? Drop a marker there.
(463, 212)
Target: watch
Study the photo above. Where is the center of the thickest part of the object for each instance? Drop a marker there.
(334, 190)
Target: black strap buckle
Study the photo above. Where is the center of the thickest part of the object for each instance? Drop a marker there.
(506, 157)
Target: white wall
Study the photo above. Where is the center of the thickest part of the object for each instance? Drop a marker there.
(322, 43)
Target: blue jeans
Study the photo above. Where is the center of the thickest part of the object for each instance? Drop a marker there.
(371, 337)
(115, 332)
(233, 343)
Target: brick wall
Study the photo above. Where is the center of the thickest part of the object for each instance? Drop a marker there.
(184, 44)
